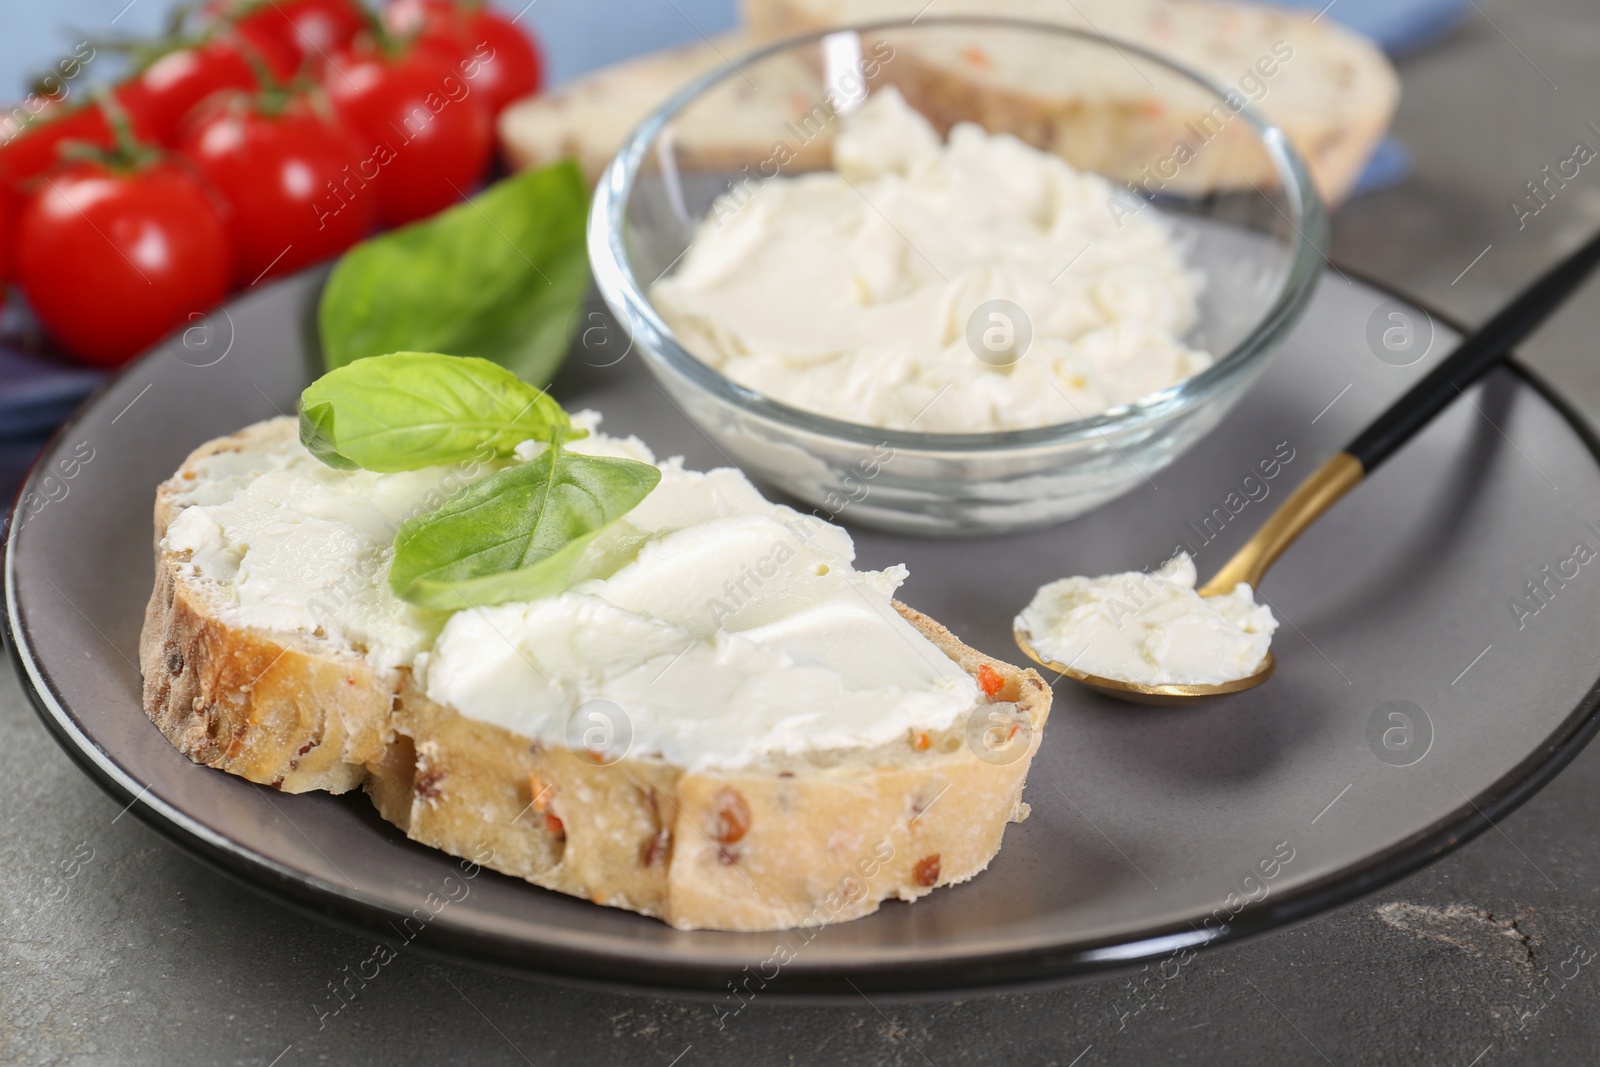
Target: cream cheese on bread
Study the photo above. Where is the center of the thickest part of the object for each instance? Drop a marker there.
(724, 627)
(298, 546)
(735, 631)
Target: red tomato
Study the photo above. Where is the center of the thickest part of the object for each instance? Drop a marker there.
(34, 147)
(512, 66)
(503, 62)
(430, 27)
(289, 177)
(163, 93)
(113, 260)
(6, 209)
(426, 136)
(313, 29)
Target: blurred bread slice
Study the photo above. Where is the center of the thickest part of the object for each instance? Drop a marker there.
(588, 120)
(1331, 90)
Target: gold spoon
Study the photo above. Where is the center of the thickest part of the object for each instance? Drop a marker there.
(1472, 358)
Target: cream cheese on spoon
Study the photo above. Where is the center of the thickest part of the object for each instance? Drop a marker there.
(1149, 628)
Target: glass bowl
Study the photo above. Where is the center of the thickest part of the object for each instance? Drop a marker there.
(1239, 201)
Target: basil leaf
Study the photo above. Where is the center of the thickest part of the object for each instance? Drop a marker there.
(517, 534)
(409, 410)
(316, 433)
(499, 277)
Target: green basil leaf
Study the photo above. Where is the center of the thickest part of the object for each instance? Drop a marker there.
(499, 277)
(518, 534)
(409, 410)
(316, 433)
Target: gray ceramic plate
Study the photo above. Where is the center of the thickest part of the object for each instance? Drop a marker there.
(1411, 707)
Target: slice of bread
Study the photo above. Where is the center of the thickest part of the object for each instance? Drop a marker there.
(1334, 95)
(588, 120)
(1331, 90)
(786, 841)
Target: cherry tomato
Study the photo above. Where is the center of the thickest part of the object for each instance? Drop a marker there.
(430, 27)
(426, 136)
(313, 29)
(6, 209)
(35, 146)
(503, 63)
(164, 92)
(290, 177)
(112, 260)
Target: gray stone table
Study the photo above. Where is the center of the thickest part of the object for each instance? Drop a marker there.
(117, 949)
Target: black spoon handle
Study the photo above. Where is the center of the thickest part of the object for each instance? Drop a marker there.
(1473, 357)
(1344, 470)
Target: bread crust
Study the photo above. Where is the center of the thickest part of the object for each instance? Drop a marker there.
(791, 842)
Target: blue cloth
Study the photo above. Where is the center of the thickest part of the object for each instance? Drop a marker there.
(1389, 165)
(1398, 26)
(38, 391)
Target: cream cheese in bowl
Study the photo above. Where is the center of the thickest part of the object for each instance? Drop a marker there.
(1149, 629)
(951, 332)
(965, 286)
